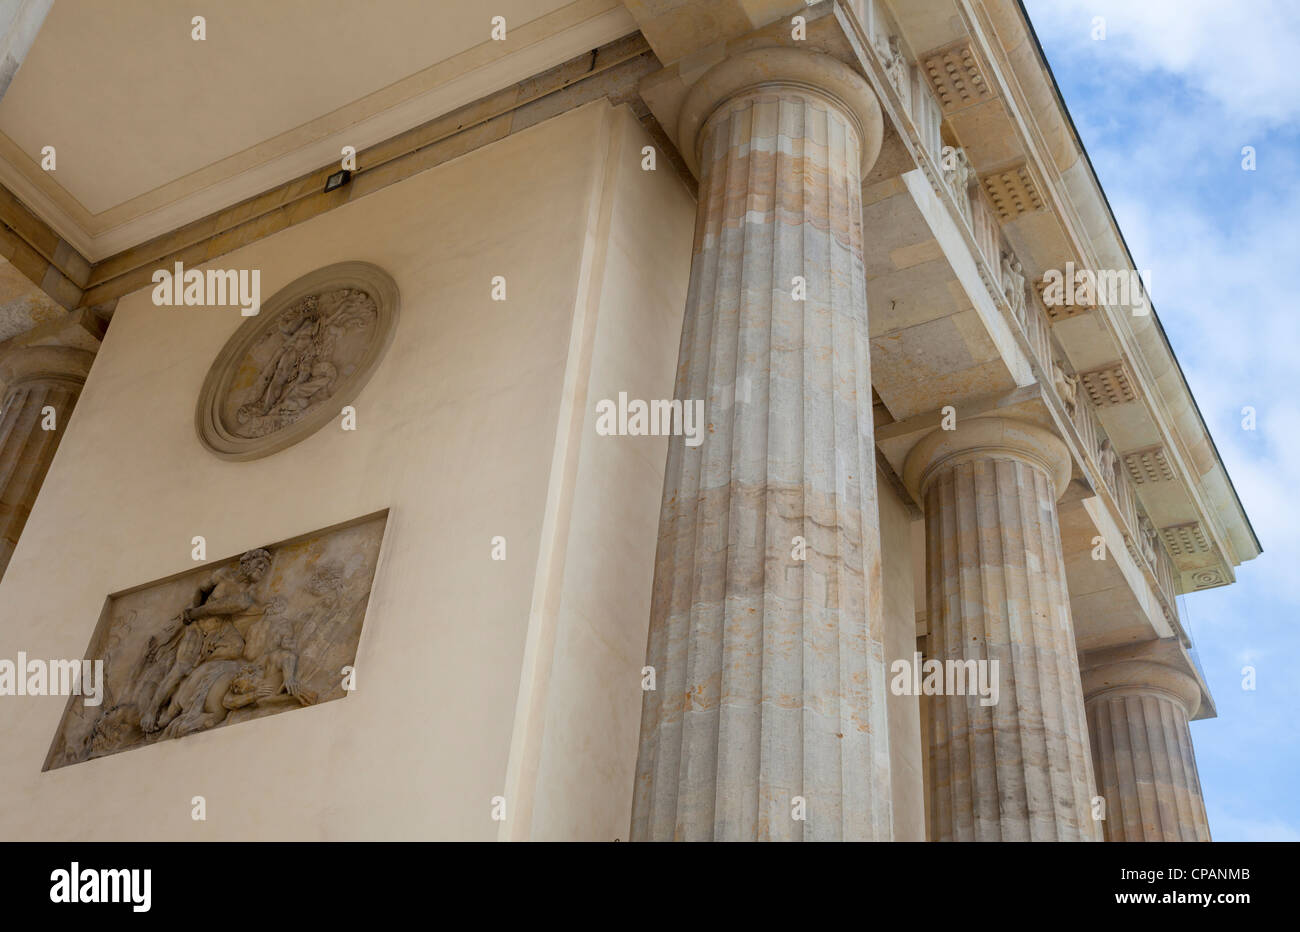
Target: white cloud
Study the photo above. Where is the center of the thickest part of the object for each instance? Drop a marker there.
(1221, 244)
(1240, 53)
(1164, 105)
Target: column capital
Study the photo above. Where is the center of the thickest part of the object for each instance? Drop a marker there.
(42, 363)
(1141, 677)
(987, 437)
(778, 67)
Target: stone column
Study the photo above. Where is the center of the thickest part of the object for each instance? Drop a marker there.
(1142, 751)
(40, 386)
(766, 624)
(1019, 769)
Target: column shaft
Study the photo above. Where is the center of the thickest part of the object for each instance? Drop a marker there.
(1142, 752)
(1019, 769)
(41, 387)
(770, 668)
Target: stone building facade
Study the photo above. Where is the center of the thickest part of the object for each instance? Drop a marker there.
(590, 420)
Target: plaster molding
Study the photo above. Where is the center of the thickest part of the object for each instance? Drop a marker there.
(368, 121)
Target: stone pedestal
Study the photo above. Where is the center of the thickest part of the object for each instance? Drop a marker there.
(1138, 714)
(1017, 770)
(768, 720)
(40, 386)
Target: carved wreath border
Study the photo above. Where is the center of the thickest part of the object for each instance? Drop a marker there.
(364, 276)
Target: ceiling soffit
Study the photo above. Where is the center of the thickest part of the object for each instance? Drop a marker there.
(227, 139)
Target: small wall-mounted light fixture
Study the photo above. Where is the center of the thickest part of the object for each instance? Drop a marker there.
(337, 180)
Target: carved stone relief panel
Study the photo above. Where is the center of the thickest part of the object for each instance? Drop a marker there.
(289, 370)
(264, 632)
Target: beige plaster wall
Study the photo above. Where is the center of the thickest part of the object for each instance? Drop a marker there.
(467, 430)
(896, 558)
(574, 756)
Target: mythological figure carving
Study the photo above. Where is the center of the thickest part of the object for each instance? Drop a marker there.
(1013, 284)
(288, 371)
(301, 365)
(959, 177)
(1108, 460)
(1148, 540)
(269, 632)
(204, 632)
(896, 66)
(1066, 387)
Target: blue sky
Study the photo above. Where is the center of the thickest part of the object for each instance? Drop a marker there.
(1164, 105)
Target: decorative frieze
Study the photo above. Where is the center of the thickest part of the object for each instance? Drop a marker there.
(289, 370)
(1058, 312)
(1111, 384)
(1013, 284)
(1208, 579)
(1149, 464)
(1185, 539)
(896, 69)
(955, 77)
(1067, 387)
(959, 175)
(265, 632)
(1012, 192)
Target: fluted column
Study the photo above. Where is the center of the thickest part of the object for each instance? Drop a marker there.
(39, 386)
(1138, 714)
(770, 668)
(1019, 769)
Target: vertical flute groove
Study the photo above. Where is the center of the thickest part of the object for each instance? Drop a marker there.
(779, 661)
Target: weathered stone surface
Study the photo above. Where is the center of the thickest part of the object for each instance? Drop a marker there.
(1018, 770)
(770, 669)
(290, 369)
(1142, 751)
(40, 386)
(268, 631)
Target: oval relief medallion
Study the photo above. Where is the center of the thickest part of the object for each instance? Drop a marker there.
(290, 370)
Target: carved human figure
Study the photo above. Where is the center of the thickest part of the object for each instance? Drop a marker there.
(274, 675)
(1107, 459)
(958, 175)
(895, 64)
(291, 363)
(205, 631)
(272, 649)
(301, 367)
(1148, 541)
(199, 702)
(1013, 284)
(1066, 387)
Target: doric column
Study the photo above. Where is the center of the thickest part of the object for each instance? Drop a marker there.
(1142, 751)
(1017, 769)
(39, 386)
(766, 626)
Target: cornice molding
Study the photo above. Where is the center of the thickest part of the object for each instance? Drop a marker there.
(1140, 339)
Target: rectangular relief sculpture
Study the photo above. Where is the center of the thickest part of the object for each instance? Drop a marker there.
(253, 635)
